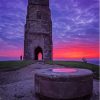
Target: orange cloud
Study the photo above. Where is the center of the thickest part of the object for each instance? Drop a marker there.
(75, 52)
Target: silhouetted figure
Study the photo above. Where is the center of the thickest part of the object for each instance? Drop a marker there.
(21, 58)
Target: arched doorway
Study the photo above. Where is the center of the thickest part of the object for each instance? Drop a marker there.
(38, 53)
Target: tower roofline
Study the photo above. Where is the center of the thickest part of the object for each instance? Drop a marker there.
(39, 2)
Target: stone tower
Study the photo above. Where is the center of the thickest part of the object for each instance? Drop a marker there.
(38, 31)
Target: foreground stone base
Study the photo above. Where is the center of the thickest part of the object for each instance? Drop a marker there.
(64, 85)
(40, 97)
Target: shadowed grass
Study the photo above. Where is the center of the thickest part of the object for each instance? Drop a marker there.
(77, 64)
(13, 65)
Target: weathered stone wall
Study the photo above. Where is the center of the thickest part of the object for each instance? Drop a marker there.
(38, 29)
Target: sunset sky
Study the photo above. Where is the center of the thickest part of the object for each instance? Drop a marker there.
(75, 28)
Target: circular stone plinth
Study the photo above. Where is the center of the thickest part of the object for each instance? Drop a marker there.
(64, 83)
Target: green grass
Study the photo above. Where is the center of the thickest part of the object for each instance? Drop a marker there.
(13, 65)
(77, 64)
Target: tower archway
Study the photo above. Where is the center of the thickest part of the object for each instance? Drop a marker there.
(38, 53)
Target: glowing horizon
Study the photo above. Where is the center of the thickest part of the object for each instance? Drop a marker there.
(59, 53)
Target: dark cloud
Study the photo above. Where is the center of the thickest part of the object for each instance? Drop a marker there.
(12, 20)
(77, 19)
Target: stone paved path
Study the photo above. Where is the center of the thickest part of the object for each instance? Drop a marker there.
(19, 85)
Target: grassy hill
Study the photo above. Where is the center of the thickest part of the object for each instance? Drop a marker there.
(13, 65)
(78, 64)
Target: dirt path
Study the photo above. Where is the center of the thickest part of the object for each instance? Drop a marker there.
(19, 85)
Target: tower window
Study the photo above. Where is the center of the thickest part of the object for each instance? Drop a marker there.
(38, 15)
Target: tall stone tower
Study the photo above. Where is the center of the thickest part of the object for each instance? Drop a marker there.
(38, 31)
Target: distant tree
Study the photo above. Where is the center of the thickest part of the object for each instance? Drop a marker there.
(84, 60)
